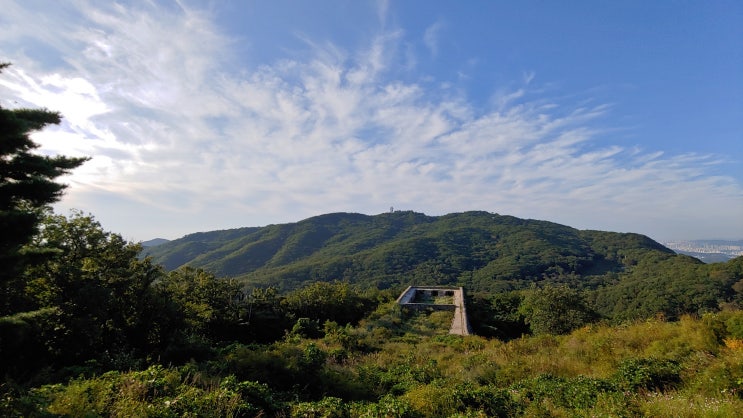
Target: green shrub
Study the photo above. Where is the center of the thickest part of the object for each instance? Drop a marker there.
(577, 393)
(261, 364)
(257, 398)
(488, 400)
(399, 378)
(328, 407)
(555, 310)
(387, 407)
(430, 400)
(155, 392)
(313, 358)
(306, 328)
(84, 398)
(15, 403)
(734, 325)
(648, 373)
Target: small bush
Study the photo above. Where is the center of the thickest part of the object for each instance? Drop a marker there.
(648, 374)
(328, 407)
(387, 407)
(84, 398)
(306, 328)
(578, 393)
(486, 400)
(734, 325)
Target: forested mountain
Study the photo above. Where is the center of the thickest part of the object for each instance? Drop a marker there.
(481, 250)
(627, 275)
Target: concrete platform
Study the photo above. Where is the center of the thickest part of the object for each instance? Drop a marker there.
(460, 325)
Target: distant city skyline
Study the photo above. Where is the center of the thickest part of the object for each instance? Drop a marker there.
(616, 116)
(708, 250)
(734, 247)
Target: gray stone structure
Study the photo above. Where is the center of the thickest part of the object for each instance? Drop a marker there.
(460, 325)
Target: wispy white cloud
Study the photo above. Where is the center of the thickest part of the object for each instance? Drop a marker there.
(431, 37)
(178, 133)
(383, 7)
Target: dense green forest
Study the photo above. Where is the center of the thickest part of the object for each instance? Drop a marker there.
(626, 276)
(299, 320)
(480, 250)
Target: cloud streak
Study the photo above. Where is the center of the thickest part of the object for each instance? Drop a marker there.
(178, 132)
(431, 37)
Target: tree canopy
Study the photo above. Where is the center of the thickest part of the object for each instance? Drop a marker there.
(27, 185)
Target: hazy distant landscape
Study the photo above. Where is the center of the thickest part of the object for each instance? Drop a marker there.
(709, 251)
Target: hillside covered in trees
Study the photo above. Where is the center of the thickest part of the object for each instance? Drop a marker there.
(625, 275)
(485, 251)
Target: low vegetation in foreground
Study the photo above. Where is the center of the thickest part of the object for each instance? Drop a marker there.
(395, 364)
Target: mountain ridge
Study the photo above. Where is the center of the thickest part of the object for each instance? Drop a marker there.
(154, 242)
(391, 248)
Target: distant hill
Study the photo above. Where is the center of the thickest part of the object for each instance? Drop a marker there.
(481, 249)
(154, 242)
(625, 275)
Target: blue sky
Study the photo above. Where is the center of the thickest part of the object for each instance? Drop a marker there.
(621, 116)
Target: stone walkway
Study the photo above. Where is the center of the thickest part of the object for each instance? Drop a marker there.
(460, 325)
